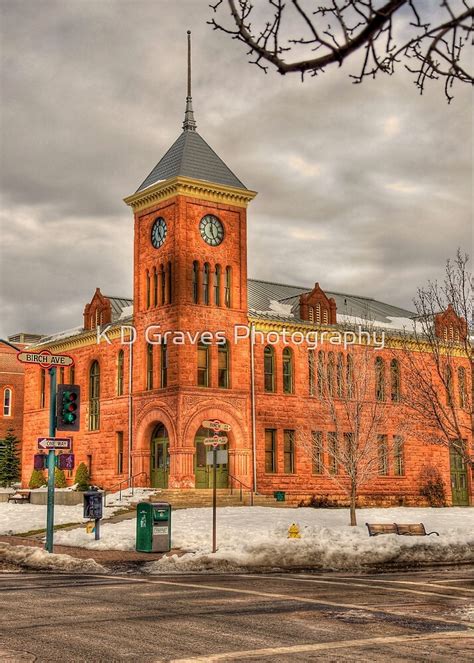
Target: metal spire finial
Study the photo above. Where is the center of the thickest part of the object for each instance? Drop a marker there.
(189, 123)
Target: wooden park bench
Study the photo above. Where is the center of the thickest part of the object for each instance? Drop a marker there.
(412, 529)
(20, 496)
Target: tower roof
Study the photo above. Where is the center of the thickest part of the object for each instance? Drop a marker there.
(191, 156)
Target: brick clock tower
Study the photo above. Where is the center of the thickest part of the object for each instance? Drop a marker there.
(190, 280)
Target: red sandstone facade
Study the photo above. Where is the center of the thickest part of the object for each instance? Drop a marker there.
(143, 405)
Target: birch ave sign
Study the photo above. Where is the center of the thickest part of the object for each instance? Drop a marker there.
(45, 359)
(215, 425)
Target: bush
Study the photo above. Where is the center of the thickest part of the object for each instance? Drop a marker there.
(432, 486)
(321, 502)
(82, 478)
(9, 460)
(59, 478)
(37, 480)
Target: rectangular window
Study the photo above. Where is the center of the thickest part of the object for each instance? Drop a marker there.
(311, 368)
(270, 451)
(289, 451)
(120, 452)
(332, 453)
(72, 375)
(164, 365)
(43, 388)
(317, 452)
(149, 366)
(89, 465)
(61, 375)
(349, 450)
(223, 365)
(383, 455)
(320, 374)
(203, 365)
(398, 456)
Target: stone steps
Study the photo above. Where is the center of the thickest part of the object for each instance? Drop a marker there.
(199, 498)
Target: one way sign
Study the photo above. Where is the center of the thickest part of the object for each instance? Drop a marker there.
(54, 443)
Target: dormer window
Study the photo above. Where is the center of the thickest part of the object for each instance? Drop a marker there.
(317, 308)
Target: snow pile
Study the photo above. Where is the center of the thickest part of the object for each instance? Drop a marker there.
(127, 499)
(20, 518)
(127, 312)
(255, 538)
(36, 558)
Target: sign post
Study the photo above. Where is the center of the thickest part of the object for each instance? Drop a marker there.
(215, 441)
(46, 359)
(51, 464)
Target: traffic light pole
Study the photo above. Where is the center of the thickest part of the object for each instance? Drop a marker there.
(51, 464)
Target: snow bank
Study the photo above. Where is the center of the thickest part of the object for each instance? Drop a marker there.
(20, 518)
(139, 495)
(36, 558)
(255, 538)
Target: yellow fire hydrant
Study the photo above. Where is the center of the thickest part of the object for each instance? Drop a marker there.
(294, 531)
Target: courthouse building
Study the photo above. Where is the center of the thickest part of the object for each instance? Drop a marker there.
(143, 404)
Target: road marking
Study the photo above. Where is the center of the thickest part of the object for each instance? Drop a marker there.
(409, 582)
(358, 584)
(286, 597)
(320, 646)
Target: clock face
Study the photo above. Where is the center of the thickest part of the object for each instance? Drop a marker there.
(211, 229)
(158, 232)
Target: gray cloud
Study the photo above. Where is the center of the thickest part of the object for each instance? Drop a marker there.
(363, 188)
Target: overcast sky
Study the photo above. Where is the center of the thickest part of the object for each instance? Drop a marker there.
(366, 189)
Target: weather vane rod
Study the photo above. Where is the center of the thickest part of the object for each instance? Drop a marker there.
(189, 123)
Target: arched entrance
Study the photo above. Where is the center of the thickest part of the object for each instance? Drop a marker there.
(203, 470)
(159, 457)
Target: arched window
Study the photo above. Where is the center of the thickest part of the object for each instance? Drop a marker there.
(72, 375)
(120, 357)
(318, 313)
(311, 371)
(321, 375)
(340, 375)
(325, 316)
(269, 368)
(7, 402)
(311, 314)
(94, 396)
(228, 286)
(330, 373)
(205, 284)
(169, 290)
(203, 364)
(395, 380)
(379, 379)
(164, 365)
(195, 282)
(162, 285)
(217, 285)
(349, 376)
(147, 289)
(449, 385)
(287, 371)
(223, 362)
(43, 388)
(149, 366)
(155, 287)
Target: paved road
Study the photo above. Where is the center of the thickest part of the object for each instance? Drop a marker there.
(416, 616)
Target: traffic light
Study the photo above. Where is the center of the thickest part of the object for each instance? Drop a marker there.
(68, 407)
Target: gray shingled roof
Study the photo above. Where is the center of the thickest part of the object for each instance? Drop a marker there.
(191, 156)
(262, 293)
(118, 304)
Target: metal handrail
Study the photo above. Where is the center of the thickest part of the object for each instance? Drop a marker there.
(242, 485)
(130, 480)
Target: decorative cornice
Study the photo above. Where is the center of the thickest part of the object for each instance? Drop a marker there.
(187, 186)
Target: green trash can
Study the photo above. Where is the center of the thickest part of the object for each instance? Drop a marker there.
(153, 527)
(279, 495)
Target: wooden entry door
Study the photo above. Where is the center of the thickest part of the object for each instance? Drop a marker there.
(458, 479)
(159, 462)
(203, 471)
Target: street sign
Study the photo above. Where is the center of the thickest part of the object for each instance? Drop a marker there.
(65, 461)
(215, 441)
(45, 359)
(54, 443)
(222, 457)
(215, 424)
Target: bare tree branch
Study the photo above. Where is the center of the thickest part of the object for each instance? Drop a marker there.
(430, 40)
